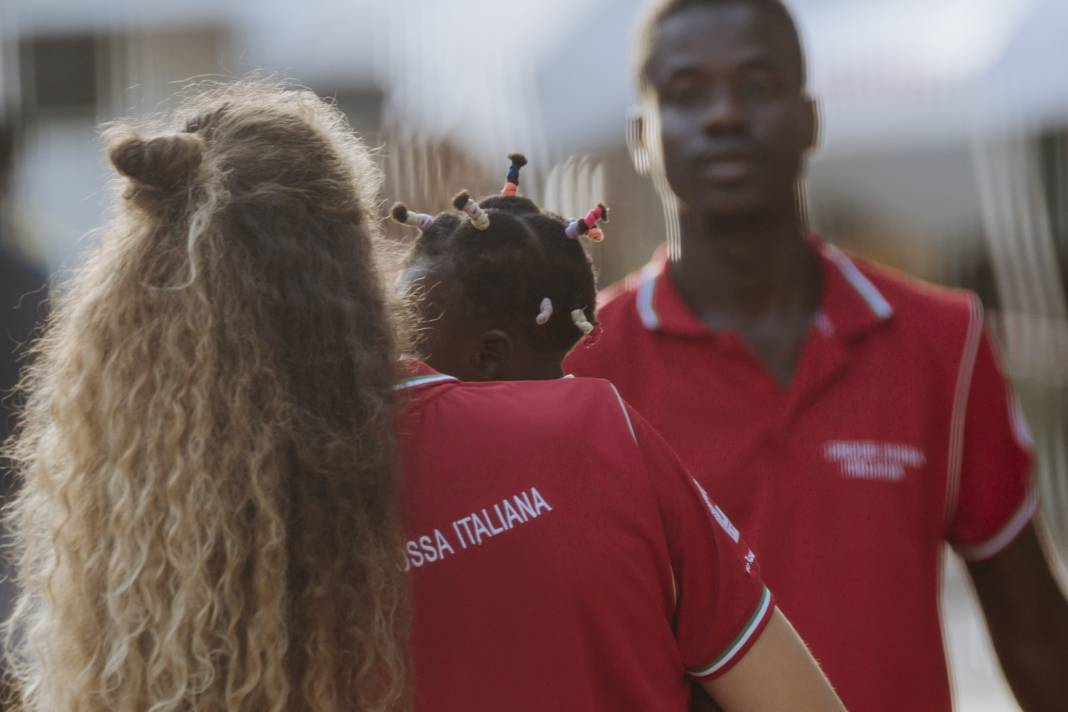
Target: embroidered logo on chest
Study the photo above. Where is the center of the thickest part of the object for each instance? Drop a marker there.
(872, 460)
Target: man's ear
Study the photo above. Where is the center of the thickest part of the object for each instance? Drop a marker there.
(494, 352)
(636, 140)
(812, 127)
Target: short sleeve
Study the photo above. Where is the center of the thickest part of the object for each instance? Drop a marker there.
(721, 603)
(996, 498)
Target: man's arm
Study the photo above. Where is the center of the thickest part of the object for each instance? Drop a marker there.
(778, 673)
(1027, 614)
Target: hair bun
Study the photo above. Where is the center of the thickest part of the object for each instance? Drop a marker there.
(165, 162)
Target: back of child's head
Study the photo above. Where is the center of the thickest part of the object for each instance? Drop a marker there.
(506, 262)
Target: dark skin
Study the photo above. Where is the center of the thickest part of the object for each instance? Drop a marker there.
(734, 126)
(472, 349)
(727, 123)
(1027, 615)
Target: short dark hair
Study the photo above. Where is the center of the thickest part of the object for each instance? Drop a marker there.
(666, 8)
(505, 271)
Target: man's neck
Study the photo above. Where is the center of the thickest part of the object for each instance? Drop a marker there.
(735, 272)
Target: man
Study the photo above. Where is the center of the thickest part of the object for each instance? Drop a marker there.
(849, 419)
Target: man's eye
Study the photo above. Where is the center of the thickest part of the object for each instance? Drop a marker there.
(758, 86)
(683, 92)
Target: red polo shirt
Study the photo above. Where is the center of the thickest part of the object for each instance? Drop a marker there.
(897, 433)
(561, 557)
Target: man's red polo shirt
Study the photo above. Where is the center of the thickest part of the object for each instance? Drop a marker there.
(561, 557)
(898, 433)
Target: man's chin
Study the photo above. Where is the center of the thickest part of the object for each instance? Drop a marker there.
(739, 207)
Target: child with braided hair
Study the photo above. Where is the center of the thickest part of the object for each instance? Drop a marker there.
(560, 556)
(504, 289)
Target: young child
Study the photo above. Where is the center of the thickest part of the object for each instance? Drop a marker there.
(504, 289)
(561, 558)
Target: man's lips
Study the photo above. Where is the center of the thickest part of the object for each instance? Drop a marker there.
(727, 165)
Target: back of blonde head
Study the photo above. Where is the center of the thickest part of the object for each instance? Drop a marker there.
(206, 511)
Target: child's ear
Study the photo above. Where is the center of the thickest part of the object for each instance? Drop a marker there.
(494, 352)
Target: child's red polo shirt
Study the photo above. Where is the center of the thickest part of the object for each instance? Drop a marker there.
(561, 557)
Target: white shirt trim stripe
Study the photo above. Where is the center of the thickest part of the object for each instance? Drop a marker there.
(1020, 428)
(644, 296)
(674, 588)
(747, 632)
(416, 381)
(960, 407)
(626, 415)
(1006, 535)
(876, 302)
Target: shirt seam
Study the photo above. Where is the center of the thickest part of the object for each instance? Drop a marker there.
(959, 412)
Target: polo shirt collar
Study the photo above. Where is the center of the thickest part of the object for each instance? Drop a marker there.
(416, 374)
(851, 303)
(660, 306)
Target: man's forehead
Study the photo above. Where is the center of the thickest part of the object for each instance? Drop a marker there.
(731, 35)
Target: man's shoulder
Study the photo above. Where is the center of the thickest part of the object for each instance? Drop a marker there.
(918, 303)
(608, 351)
(617, 300)
(624, 309)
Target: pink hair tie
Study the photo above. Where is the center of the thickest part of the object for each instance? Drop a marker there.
(588, 225)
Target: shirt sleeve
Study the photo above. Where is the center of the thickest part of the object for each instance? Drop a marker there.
(721, 602)
(996, 499)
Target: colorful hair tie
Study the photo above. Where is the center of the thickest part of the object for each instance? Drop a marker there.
(511, 184)
(578, 316)
(545, 313)
(463, 201)
(588, 225)
(404, 216)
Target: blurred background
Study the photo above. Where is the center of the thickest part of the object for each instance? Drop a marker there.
(944, 148)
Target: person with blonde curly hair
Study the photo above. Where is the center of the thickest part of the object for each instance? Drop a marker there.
(206, 517)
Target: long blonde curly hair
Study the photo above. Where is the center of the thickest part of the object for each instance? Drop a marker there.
(207, 510)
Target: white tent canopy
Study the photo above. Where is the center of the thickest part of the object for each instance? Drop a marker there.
(555, 76)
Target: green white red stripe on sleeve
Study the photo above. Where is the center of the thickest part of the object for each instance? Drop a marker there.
(746, 636)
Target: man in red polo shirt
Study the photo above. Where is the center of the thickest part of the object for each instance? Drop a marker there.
(562, 559)
(849, 419)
